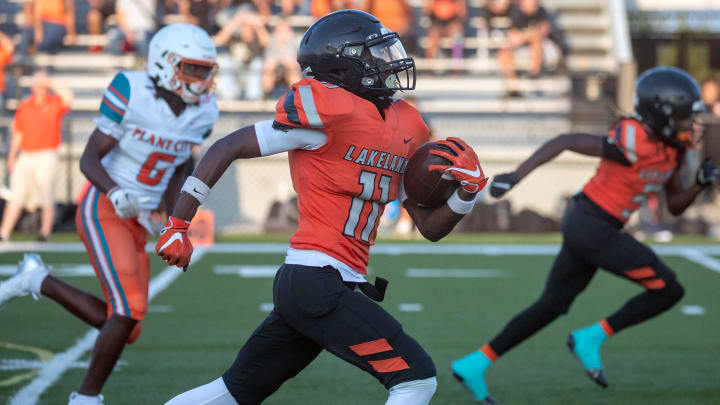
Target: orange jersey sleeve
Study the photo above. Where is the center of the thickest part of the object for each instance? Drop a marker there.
(310, 104)
(620, 189)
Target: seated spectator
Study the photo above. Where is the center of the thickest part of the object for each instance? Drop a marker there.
(397, 16)
(6, 51)
(99, 11)
(200, 13)
(47, 22)
(246, 37)
(447, 19)
(36, 137)
(136, 22)
(711, 96)
(319, 8)
(495, 17)
(530, 26)
(290, 7)
(281, 58)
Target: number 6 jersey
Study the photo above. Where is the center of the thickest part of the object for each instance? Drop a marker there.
(343, 185)
(152, 140)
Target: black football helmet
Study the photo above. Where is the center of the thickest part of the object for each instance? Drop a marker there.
(664, 96)
(353, 50)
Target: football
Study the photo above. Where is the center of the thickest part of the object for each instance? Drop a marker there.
(426, 188)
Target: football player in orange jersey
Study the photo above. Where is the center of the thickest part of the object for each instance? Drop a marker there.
(349, 142)
(639, 157)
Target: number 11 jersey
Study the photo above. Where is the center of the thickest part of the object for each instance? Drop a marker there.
(152, 140)
(343, 186)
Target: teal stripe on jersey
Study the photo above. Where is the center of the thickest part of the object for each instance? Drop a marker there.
(116, 99)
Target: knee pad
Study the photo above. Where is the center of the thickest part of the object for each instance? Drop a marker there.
(553, 305)
(416, 392)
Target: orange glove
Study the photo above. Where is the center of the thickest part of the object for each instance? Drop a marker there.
(465, 166)
(174, 245)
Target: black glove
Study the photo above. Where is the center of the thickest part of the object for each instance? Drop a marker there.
(707, 174)
(501, 184)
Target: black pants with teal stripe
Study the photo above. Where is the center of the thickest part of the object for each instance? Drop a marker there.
(316, 310)
(592, 239)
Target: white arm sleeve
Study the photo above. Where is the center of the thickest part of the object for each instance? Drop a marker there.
(108, 126)
(272, 141)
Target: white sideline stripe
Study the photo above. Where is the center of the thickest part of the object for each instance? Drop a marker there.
(455, 273)
(25, 364)
(260, 271)
(693, 310)
(410, 307)
(380, 249)
(53, 370)
(696, 256)
(67, 270)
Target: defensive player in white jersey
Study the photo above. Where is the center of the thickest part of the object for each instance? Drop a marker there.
(137, 156)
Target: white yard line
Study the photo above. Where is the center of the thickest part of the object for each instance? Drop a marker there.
(52, 371)
(697, 256)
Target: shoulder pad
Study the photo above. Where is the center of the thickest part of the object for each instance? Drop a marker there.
(116, 98)
(630, 137)
(313, 104)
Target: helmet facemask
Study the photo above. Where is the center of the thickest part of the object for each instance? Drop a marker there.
(192, 78)
(386, 68)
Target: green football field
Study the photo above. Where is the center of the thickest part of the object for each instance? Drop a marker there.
(451, 297)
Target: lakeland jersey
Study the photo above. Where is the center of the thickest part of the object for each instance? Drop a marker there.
(343, 186)
(152, 141)
(620, 189)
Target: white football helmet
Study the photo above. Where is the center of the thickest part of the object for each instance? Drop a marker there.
(183, 59)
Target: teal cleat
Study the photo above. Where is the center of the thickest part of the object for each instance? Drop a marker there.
(470, 371)
(585, 344)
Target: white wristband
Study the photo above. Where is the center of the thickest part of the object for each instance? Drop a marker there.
(196, 188)
(460, 206)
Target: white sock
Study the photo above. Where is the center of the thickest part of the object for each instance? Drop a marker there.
(416, 392)
(213, 393)
(78, 399)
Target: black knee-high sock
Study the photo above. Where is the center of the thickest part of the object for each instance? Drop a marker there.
(524, 325)
(646, 305)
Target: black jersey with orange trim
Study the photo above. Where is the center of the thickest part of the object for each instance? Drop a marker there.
(343, 186)
(639, 166)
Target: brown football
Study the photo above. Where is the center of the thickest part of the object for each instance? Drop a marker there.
(424, 187)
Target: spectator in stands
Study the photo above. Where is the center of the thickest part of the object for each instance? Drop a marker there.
(6, 51)
(530, 26)
(247, 37)
(136, 22)
(200, 13)
(36, 136)
(397, 16)
(496, 19)
(319, 8)
(47, 23)
(99, 11)
(281, 58)
(447, 19)
(290, 7)
(232, 7)
(711, 96)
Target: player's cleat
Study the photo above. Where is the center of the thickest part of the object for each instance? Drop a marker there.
(585, 344)
(20, 284)
(78, 399)
(470, 371)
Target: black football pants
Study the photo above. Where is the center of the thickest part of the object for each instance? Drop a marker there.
(593, 239)
(316, 310)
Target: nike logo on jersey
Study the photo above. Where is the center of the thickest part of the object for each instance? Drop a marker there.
(475, 173)
(407, 140)
(177, 236)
